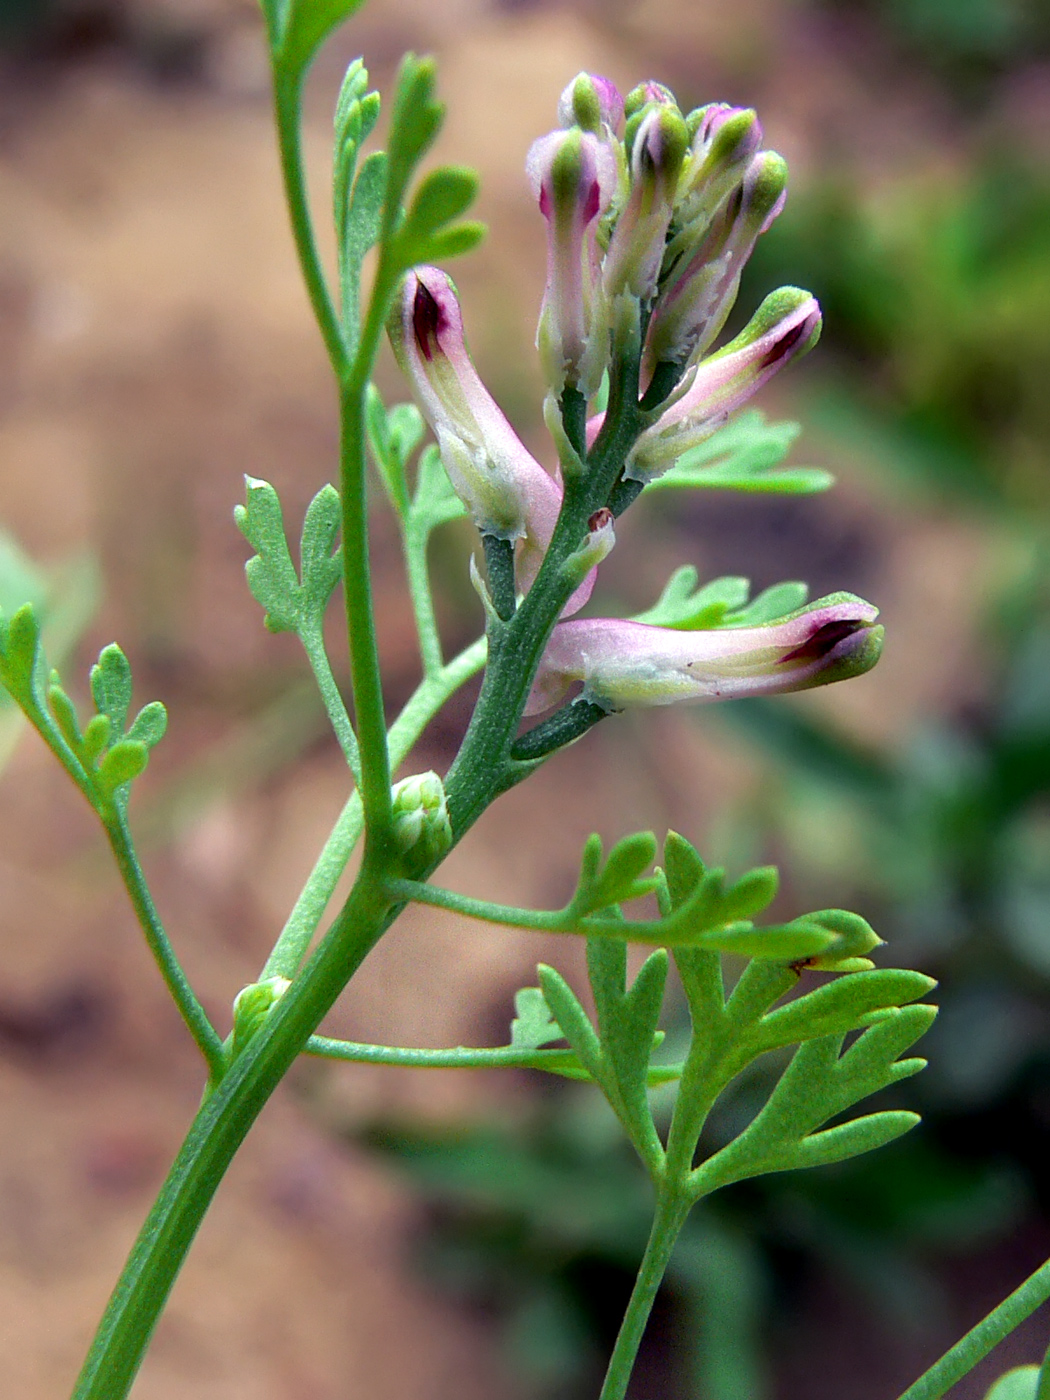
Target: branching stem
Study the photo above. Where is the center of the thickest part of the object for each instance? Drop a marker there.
(317, 654)
(430, 695)
(202, 1030)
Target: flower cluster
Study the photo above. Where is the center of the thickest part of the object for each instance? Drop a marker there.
(651, 215)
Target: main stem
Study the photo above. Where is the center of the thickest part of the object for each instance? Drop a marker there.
(217, 1132)
(671, 1211)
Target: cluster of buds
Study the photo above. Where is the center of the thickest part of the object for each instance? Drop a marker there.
(651, 216)
(420, 822)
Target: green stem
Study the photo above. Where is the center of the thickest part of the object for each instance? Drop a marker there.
(563, 728)
(288, 96)
(415, 541)
(563, 1062)
(202, 1030)
(218, 1130)
(360, 617)
(670, 1215)
(499, 565)
(983, 1338)
(317, 654)
(430, 695)
(663, 932)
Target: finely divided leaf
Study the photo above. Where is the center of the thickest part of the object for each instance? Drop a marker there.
(271, 574)
(533, 1025)
(744, 456)
(435, 501)
(721, 603)
(321, 568)
(621, 877)
(111, 685)
(840, 1006)
(769, 605)
(683, 605)
(572, 1019)
(298, 28)
(820, 1083)
(290, 606)
(149, 725)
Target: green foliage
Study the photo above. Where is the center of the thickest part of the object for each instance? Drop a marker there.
(291, 604)
(721, 603)
(105, 756)
(533, 1024)
(298, 28)
(619, 879)
(393, 436)
(357, 191)
(745, 455)
(729, 1034)
(617, 1055)
(820, 1083)
(427, 232)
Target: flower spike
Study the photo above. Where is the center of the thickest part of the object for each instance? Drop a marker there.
(624, 664)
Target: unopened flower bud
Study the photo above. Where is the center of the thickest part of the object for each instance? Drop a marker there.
(702, 287)
(591, 102)
(420, 817)
(785, 326)
(722, 140)
(507, 492)
(573, 175)
(252, 1005)
(645, 95)
(656, 150)
(625, 664)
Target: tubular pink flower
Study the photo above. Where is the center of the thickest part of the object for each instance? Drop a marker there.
(785, 326)
(573, 175)
(724, 139)
(507, 492)
(700, 291)
(657, 145)
(625, 664)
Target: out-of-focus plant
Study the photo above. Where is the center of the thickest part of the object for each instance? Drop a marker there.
(968, 43)
(936, 289)
(651, 216)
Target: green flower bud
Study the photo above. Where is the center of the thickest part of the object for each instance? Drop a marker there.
(421, 823)
(252, 1005)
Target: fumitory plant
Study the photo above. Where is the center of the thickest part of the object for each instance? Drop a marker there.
(651, 214)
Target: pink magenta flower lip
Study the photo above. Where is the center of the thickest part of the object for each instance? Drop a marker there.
(623, 664)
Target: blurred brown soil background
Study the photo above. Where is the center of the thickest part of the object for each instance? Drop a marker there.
(155, 345)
